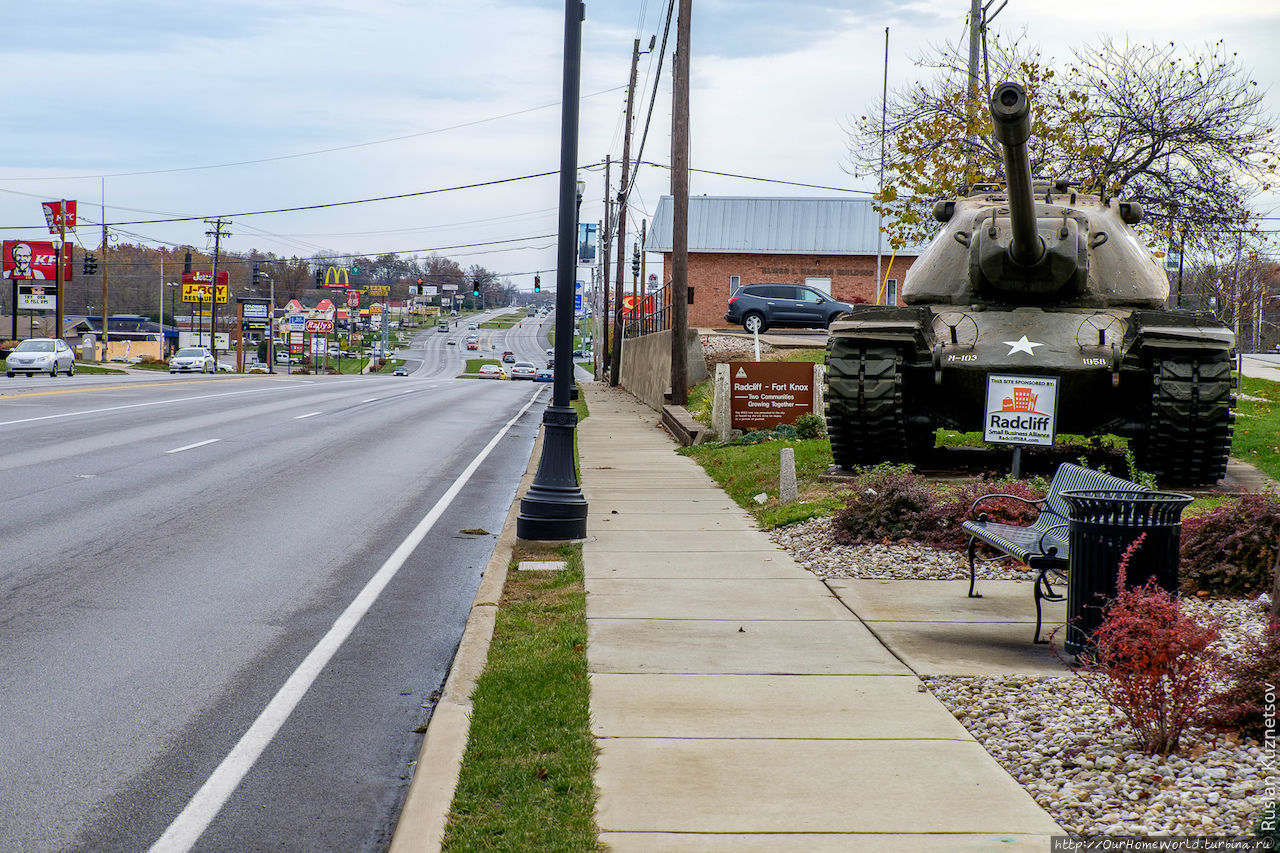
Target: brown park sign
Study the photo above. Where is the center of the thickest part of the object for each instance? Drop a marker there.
(764, 394)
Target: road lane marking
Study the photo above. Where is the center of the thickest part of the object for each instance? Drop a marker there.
(307, 415)
(371, 400)
(191, 823)
(193, 446)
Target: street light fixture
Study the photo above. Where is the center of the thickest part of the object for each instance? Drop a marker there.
(554, 508)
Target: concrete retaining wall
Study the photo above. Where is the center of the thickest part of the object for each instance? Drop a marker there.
(646, 366)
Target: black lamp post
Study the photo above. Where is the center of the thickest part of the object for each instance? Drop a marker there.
(554, 508)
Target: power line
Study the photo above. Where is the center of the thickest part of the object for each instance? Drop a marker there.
(280, 157)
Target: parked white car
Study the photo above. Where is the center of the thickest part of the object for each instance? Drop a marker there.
(192, 360)
(41, 355)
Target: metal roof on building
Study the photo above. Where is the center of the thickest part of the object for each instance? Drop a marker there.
(781, 226)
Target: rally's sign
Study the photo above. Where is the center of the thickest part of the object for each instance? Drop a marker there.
(765, 394)
(59, 215)
(34, 259)
(1021, 410)
(317, 325)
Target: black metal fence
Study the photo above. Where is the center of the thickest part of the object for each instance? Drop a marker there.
(642, 321)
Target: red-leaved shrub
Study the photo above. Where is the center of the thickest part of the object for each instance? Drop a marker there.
(890, 504)
(1152, 662)
(940, 523)
(882, 504)
(1230, 550)
(1248, 705)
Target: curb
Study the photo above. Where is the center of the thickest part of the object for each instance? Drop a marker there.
(425, 814)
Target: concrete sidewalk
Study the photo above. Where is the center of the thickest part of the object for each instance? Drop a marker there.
(739, 704)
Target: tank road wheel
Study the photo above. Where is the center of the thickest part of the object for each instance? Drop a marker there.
(1188, 435)
(865, 417)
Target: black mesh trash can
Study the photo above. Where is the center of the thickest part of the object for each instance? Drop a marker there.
(1102, 525)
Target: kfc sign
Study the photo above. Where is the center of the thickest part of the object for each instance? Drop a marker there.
(34, 260)
(59, 215)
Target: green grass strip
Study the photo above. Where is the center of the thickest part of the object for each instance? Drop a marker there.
(527, 778)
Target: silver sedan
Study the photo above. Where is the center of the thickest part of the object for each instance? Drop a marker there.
(41, 355)
(192, 360)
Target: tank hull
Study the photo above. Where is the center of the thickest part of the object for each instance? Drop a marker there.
(1160, 378)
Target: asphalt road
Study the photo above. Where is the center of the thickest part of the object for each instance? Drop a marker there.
(174, 548)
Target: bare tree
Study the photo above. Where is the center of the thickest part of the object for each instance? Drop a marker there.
(1184, 133)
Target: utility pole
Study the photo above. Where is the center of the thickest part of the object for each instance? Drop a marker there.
(61, 276)
(105, 266)
(971, 99)
(680, 210)
(604, 269)
(217, 234)
(644, 315)
(623, 190)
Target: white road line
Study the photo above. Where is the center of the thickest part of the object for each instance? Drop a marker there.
(371, 400)
(191, 823)
(307, 415)
(193, 446)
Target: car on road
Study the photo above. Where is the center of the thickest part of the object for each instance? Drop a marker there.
(452, 342)
(192, 360)
(492, 371)
(256, 367)
(509, 357)
(444, 326)
(472, 345)
(41, 355)
(400, 371)
(757, 307)
(523, 370)
(544, 375)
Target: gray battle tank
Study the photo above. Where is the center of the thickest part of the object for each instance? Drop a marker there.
(1043, 285)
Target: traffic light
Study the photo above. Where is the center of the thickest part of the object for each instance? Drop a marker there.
(419, 281)
(90, 264)
(537, 284)
(319, 277)
(635, 259)
(475, 287)
(257, 275)
(186, 263)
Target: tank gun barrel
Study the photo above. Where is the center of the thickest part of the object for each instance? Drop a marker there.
(1011, 123)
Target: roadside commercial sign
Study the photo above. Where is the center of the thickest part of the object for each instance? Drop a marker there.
(202, 292)
(255, 310)
(353, 299)
(34, 259)
(206, 277)
(337, 277)
(59, 215)
(765, 394)
(1021, 410)
(449, 288)
(378, 289)
(297, 321)
(316, 325)
(297, 342)
(38, 297)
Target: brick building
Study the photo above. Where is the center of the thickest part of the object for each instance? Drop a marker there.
(829, 244)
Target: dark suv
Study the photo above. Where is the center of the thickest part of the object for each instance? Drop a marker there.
(759, 306)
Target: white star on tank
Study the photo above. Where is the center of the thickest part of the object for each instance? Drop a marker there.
(1022, 345)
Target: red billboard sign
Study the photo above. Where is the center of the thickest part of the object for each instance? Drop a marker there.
(319, 326)
(59, 215)
(205, 277)
(353, 299)
(34, 259)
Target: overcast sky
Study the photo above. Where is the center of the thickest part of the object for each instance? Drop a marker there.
(229, 108)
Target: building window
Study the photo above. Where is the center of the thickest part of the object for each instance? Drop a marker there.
(891, 292)
(735, 281)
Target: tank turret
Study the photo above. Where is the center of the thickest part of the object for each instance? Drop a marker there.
(1036, 283)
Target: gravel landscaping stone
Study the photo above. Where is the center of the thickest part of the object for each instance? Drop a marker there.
(1071, 752)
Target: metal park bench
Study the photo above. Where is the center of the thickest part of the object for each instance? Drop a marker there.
(1044, 545)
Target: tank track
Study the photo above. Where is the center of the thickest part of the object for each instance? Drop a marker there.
(866, 420)
(1188, 436)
